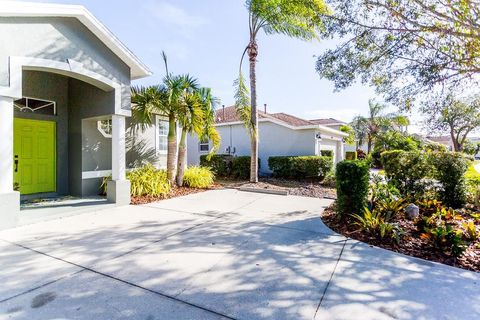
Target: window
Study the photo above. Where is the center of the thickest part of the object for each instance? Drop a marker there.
(105, 127)
(38, 106)
(204, 146)
(162, 136)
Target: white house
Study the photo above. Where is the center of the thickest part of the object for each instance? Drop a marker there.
(280, 134)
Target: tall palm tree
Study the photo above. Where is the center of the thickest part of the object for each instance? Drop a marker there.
(298, 19)
(367, 128)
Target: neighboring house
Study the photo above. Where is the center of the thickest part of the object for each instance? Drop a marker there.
(280, 134)
(336, 124)
(445, 140)
(65, 107)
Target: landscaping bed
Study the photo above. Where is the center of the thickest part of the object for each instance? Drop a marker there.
(304, 188)
(411, 244)
(174, 192)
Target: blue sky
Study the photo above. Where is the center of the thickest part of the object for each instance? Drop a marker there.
(206, 39)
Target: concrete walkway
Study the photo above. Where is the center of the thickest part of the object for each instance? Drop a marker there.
(221, 254)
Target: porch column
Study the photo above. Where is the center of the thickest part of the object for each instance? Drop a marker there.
(118, 189)
(9, 199)
(340, 152)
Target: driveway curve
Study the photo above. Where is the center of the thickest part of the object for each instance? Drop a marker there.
(221, 254)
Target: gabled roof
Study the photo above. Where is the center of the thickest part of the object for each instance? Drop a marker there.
(328, 122)
(30, 9)
(228, 115)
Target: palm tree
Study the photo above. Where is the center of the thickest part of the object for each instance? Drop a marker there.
(299, 19)
(196, 115)
(367, 128)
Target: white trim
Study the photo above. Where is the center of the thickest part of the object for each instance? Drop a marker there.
(100, 129)
(118, 148)
(26, 9)
(157, 134)
(96, 174)
(38, 99)
(6, 145)
(71, 68)
(281, 123)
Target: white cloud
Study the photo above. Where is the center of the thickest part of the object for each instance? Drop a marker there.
(173, 16)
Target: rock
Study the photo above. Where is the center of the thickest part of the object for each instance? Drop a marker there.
(412, 211)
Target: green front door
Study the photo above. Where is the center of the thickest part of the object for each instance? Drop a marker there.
(34, 155)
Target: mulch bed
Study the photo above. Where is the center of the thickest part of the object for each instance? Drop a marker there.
(175, 192)
(411, 244)
(305, 188)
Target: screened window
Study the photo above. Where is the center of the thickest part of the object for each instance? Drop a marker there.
(162, 135)
(204, 146)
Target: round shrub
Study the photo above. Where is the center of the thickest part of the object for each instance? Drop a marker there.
(450, 168)
(221, 164)
(198, 177)
(352, 178)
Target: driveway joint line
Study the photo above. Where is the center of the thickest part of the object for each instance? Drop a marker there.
(331, 278)
(122, 281)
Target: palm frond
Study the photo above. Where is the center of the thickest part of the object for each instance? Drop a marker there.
(242, 102)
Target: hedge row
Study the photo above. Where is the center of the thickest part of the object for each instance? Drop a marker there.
(352, 180)
(225, 165)
(412, 171)
(300, 167)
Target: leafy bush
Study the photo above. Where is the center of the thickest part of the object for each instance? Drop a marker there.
(373, 223)
(392, 140)
(361, 155)
(148, 180)
(301, 167)
(352, 177)
(390, 207)
(434, 146)
(472, 178)
(350, 155)
(450, 171)
(198, 177)
(326, 153)
(221, 164)
(329, 180)
(241, 167)
(407, 171)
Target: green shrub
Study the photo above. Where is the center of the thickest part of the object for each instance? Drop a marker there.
(450, 168)
(241, 167)
(434, 146)
(148, 180)
(373, 223)
(351, 155)
(407, 171)
(221, 164)
(352, 177)
(300, 167)
(198, 177)
(329, 180)
(326, 153)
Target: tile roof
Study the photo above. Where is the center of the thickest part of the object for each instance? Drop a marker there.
(328, 122)
(229, 114)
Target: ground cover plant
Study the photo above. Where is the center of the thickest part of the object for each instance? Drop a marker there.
(426, 205)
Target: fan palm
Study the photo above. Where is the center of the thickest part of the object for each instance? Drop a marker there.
(299, 19)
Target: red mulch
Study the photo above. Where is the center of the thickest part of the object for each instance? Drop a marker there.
(411, 244)
(175, 192)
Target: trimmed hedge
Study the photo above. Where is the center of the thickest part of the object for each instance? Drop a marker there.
(450, 168)
(241, 167)
(221, 164)
(407, 171)
(351, 155)
(326, 153)
(291, 167)
(352, 180)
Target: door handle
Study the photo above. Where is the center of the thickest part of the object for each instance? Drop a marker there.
(16, 163)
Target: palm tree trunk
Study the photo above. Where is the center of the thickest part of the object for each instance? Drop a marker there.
(172, 149)
(252, 54)
(182, 150)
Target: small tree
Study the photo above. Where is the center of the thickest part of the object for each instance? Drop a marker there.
(299, 19)
(458, 117)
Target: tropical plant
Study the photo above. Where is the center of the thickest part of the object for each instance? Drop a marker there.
(198, 177)
(373, 223)
(445, 238)
(390, 207)
(298, 19)
(368, 128)
(471, 231)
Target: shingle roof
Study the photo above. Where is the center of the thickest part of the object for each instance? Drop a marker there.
(229, 114)
(328, 122)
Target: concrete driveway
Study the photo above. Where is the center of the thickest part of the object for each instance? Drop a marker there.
(221, 254)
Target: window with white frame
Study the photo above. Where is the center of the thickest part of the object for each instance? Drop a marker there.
(204, 146)
(105, 127)
(162, 135)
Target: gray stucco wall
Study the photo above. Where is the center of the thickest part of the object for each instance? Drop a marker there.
(57, 39)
